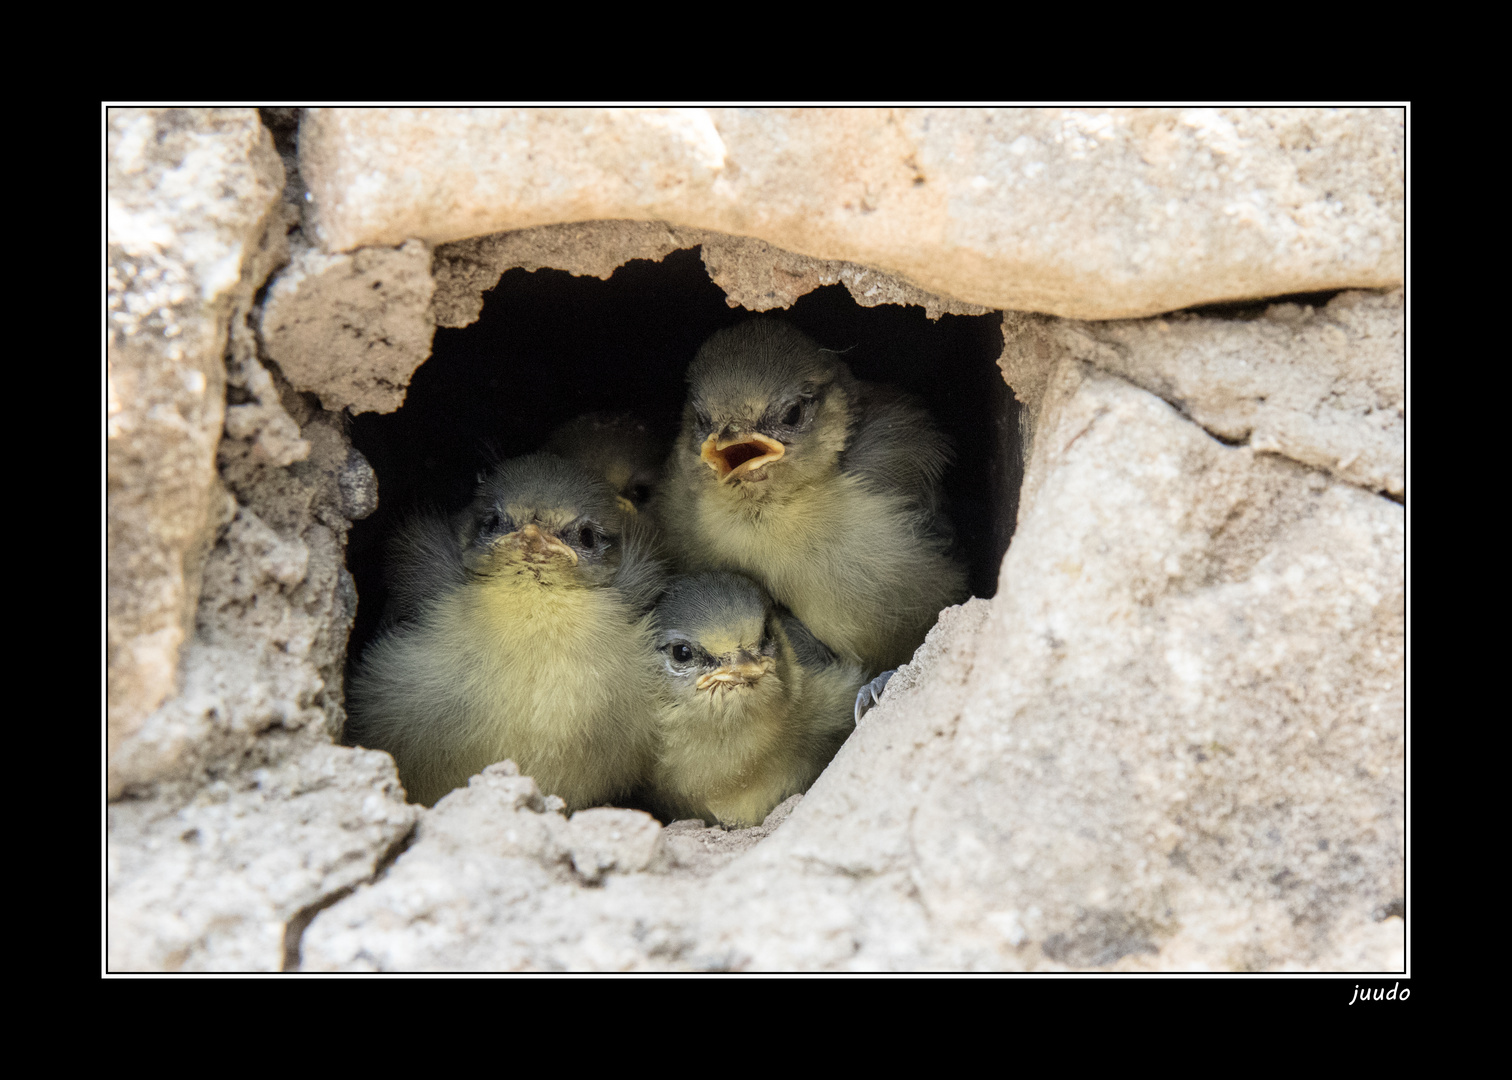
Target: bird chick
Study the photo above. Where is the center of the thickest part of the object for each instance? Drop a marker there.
(531, 640)
(823, 488)
(754, 707)
(619, 448)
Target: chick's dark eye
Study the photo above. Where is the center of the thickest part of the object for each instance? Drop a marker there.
(587, 537)
(682, 653)
(793, 415)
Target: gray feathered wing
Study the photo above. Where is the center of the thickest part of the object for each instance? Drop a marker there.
(895, 448)
(424, 564)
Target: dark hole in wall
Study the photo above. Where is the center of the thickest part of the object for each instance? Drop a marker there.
(282, 122)
(1247, 310)
(550, 346)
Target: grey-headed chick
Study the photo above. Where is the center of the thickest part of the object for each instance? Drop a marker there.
(755, 707)
(530, 639)
(823, 488)
(618, 447)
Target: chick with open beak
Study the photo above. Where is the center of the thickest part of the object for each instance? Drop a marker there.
(824, 489)
(753, 708)
(531, 640)
(740, 456)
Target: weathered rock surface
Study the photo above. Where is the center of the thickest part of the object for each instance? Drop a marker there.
(1084, 213)
(1323, 386)
(269, 643)
(497, 878)
(352, 328)
(1174, 741)
(491, 882)
(701, 851)
(189, 196)
(239, 817)
(465, 270)
(213, 883)
(235, 818)
(754, 274)
(607, 840)
(1179, 740)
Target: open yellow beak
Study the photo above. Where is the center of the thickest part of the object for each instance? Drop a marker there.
(732, 459)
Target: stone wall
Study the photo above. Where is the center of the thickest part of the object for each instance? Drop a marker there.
(1172, 741)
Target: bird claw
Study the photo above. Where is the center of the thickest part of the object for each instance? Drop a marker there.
(871, 693)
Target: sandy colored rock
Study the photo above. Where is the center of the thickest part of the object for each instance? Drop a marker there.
(465, 270)
(754, 274)
(1323, 386)
(267, 655)
(189, 193)
(605, 839)
(502, 813)
(699, 850)
(1195, 681)
(213, 883)
(352, 328)
(1083, 213)
(490, 871)
(497, 879)
(759, 276)
(235, 818)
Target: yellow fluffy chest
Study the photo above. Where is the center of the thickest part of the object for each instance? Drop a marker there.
(844, 559)
(791, 544)
(528, 619)
(552, 658)
(804, 551)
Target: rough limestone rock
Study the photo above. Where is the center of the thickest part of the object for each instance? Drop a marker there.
(1175, 740)
(352, 328)
(491, 867)
(758, 276)
(607, 840)
(701, 851)
(189, 194)
(234, 817)
(497, 879)
(214, 882)
(268, 650)
(1083, 213)
(1323, 386)
(754, 274)
(465, 270)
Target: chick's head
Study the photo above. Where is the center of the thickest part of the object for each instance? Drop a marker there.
(618, 447)
(540, 520)
(722, 648)
(768, 410)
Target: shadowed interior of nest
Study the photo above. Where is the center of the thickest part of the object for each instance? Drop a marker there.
(550, 346)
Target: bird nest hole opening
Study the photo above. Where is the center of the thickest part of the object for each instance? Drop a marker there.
(550, 347)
